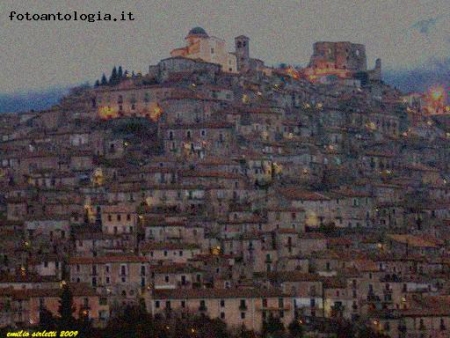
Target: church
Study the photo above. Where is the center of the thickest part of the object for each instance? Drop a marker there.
(199, 45)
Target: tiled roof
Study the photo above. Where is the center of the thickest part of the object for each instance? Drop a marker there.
(215, 293)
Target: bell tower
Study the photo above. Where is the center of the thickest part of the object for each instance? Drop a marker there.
(242, 49)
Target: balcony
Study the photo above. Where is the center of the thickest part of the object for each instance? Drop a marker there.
(285, 307)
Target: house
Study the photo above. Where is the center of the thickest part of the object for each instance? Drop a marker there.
(249, 307)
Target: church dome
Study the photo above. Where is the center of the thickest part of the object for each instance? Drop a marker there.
(197, 31)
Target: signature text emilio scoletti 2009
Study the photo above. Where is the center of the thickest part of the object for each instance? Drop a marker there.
(71, 16)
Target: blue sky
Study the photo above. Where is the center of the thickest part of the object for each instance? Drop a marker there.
(405, 34)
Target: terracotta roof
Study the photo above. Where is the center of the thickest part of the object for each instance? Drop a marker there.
(107, 259)
(146, 247)
(215, 293)
(416, 241)
(298, 194)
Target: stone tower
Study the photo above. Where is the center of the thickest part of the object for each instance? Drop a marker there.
(339, 55)
(242, 50)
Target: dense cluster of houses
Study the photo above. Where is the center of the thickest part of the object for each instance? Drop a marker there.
(235, 193)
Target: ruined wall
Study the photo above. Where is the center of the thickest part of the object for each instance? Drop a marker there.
(339, 55)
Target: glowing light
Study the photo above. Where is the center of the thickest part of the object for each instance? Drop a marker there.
(155, 111)
(371, 126)
(293, 73)
(437, 93)
(106, 112)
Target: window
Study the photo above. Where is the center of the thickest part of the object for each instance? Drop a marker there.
(183, 304)
(222, 315)
(157, 304)
(222, 303)
(242, 315)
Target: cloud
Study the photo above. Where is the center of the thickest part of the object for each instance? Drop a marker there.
(426, 26)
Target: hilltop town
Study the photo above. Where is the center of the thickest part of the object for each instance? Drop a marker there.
(215, 185)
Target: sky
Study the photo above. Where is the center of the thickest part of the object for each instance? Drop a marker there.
(36, 55)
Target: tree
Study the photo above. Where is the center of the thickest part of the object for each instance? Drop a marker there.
(295, 329)
(97, 84)
(46, 320)
(113, 79)
(120, 73)
(134, 322)
(66, 309)
(272, 327)
(104, 81)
